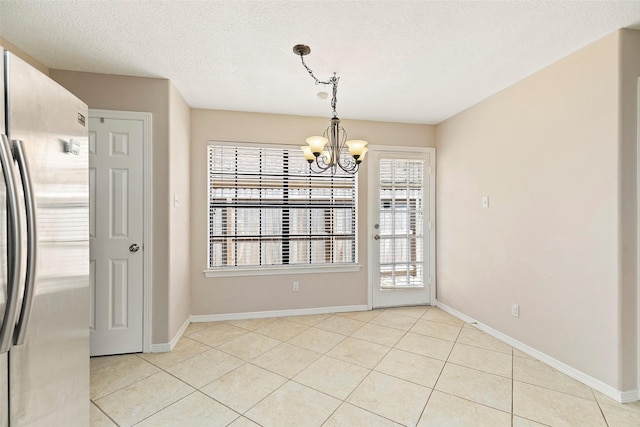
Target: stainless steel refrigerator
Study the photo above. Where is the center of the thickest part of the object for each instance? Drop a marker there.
(44, 251)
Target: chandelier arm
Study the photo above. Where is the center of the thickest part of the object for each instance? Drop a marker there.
(350, 165)
(319, 168)
(352, 170)
(342, 142)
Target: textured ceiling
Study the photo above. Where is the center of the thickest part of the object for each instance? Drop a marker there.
(401, 61)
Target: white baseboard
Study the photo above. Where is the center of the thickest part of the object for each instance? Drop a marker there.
(276, 313)
(630, 396)
(607, 390)
(167, 347)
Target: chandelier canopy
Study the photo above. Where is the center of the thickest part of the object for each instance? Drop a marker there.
(331, 150)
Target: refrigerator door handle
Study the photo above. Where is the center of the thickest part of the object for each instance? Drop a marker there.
(14, 247)
(32, 242)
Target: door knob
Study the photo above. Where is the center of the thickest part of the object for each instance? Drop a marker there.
(376, 237)
(134, 248)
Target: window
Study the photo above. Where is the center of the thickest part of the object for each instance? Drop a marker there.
(267, 210)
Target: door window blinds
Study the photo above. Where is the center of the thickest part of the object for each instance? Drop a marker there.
(401, 223)
(267, 209)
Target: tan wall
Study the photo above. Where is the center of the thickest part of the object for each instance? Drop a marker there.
(179, 216)
(547, 152)
(111, 92)
(23, 55)
(629, 313)
(249, 294)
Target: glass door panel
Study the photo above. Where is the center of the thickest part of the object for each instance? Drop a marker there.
(401, 214)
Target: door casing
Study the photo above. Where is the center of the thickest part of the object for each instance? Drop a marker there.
(638, 236)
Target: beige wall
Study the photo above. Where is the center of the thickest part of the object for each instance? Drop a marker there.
(179, 216)
(111, 92)
(629, 313)
(548, 151)
(255, 293)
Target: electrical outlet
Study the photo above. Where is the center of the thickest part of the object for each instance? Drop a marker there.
(515, 310)
(295, 287)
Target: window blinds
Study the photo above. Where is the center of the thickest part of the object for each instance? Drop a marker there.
(267, 209)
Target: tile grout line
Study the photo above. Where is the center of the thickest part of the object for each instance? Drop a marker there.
(274, 391)
(94, 400)
(373, 370)
(162, 409)
(512, 389)
(440, 374)
(600, 408)
(558, 391)
(199, 390)
(433, 389)
(287, 380)
(181, 361)
(105, 414)
(344, 401)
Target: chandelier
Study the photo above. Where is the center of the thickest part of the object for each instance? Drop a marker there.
(331, 150)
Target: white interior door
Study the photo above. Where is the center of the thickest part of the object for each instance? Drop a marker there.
(402, 219)
(116, 231)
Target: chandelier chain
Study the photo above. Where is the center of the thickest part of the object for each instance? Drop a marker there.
(332, 81)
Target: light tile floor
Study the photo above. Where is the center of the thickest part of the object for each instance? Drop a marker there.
(412, 366)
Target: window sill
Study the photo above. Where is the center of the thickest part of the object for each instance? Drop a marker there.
(272, 271)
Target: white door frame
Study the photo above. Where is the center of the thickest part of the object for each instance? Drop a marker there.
(638, 239)
(372, 196)
(147, 211)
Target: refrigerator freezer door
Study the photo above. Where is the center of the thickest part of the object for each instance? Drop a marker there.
(49, 373)
(3, 129)
(4, 373)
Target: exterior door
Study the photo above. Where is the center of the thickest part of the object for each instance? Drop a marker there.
(402, 245)
(116, 232)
